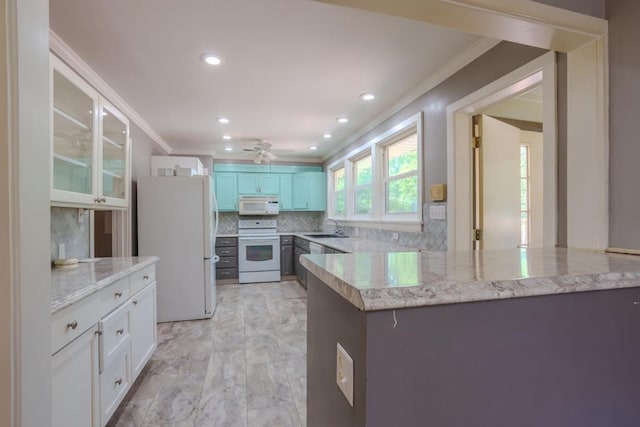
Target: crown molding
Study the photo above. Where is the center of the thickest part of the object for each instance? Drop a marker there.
(65, 53)
(460, 61)
(225, 156)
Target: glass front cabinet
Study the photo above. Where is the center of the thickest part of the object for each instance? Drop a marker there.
(90, 144)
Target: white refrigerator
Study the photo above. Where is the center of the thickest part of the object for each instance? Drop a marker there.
(178, 221)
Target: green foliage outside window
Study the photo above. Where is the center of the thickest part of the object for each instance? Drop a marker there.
(402, 193)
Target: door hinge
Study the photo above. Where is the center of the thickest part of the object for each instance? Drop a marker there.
(477, 234)
(477, 142)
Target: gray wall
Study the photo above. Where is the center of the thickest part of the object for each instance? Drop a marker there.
(624, 108)
(588, 7)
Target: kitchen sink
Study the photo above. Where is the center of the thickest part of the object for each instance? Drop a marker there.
(323, 236)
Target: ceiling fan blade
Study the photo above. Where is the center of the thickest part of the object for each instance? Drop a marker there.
(270, 155)
(249, 149)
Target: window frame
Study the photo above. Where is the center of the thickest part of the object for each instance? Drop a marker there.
(375, 147)
(355, 187)
(331, 194)
(386, 179)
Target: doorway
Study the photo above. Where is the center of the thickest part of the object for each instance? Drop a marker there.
(507, 164)
(468, 193)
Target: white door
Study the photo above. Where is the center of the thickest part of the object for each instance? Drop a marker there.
(499, 206)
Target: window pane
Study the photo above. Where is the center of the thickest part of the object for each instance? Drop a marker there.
(363, 200)
(338, 179)
(524, 205)
(402, 195)
(524, 160)
(339, 203)
(402, 156)
(363, 171)
(524, 229)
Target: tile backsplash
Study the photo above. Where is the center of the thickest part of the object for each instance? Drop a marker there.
(287, 221)
(65, 228)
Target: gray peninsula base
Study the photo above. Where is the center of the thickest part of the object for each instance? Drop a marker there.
(570, 360)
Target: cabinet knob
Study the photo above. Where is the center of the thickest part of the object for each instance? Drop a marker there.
(119, 381)
(145, 277)
(135, 302)
(120, 331)
(118, 294)
(72, 325)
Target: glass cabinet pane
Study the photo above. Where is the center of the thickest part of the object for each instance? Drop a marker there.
(73, 132)
(114, 154)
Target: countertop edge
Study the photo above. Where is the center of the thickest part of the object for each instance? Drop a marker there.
(91, 288)
(378, 299)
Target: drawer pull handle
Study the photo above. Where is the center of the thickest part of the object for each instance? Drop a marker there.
(135, 302)
(72, 325)
(145, 277)
(120, 331)
(119, 381)
(118, 294)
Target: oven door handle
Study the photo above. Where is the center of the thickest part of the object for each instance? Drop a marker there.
(267, 240)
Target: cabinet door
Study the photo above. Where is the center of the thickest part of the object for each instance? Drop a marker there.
(300, 271)
(248, 183)
(269, 184)
(114, 157)
(143, 327)
(286, 260)
(317, 191)
(226, 191)
(285, 200)
(74, 119)
(75, 385)
(301, 191)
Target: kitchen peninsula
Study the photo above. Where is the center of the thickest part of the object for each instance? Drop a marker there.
(495, 338)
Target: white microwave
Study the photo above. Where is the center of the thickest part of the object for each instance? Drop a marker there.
(258, 205)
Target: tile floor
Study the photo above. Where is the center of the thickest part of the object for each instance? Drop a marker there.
(246, 366)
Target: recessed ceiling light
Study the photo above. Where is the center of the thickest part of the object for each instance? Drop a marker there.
(223, 120)
(313, 148)
(327, 136)
(367, 97)
(228, 149)
(226, 136)
(342, 120)
(211, 59)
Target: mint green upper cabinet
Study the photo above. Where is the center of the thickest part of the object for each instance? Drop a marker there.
(258, 183)
(310, 191)
(226, 191)
(285, 200)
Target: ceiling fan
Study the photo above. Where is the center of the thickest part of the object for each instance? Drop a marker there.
(261, 152)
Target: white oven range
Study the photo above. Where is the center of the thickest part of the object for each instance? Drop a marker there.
(258, 251)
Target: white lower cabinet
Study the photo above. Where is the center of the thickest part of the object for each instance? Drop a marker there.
(143, 327)
(92, 372)
(75, 382)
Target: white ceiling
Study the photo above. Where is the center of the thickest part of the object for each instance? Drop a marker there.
(291, 67)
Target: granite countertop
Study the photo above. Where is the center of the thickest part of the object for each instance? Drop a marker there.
(347, 244)
(383, 281)
(69, 286)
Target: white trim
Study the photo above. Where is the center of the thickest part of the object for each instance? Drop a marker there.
(459, 153)
(460, 61)
(64, 52)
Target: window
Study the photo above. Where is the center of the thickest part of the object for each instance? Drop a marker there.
(339, 202)
(380, 182)
(524, 196)
(401, 175)
(363, 188)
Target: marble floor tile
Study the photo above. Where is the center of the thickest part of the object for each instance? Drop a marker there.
(244, 366)
(223, 407)
(282, 416)
(267, 386)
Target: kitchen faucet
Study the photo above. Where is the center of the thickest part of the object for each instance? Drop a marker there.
(339, 231)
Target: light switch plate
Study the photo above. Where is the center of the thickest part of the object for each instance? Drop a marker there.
(344, 373)
(437, 212)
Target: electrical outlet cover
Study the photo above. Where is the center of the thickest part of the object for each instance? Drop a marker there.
(344, 373)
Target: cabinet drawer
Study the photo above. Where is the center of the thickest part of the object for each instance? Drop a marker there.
(286, 240)
(71, 322)
(227, 251)
(227, 262)
(227, 273)
(114, 333)
(142, 278)
(226, 241)
(114, 295)
(115, 381)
